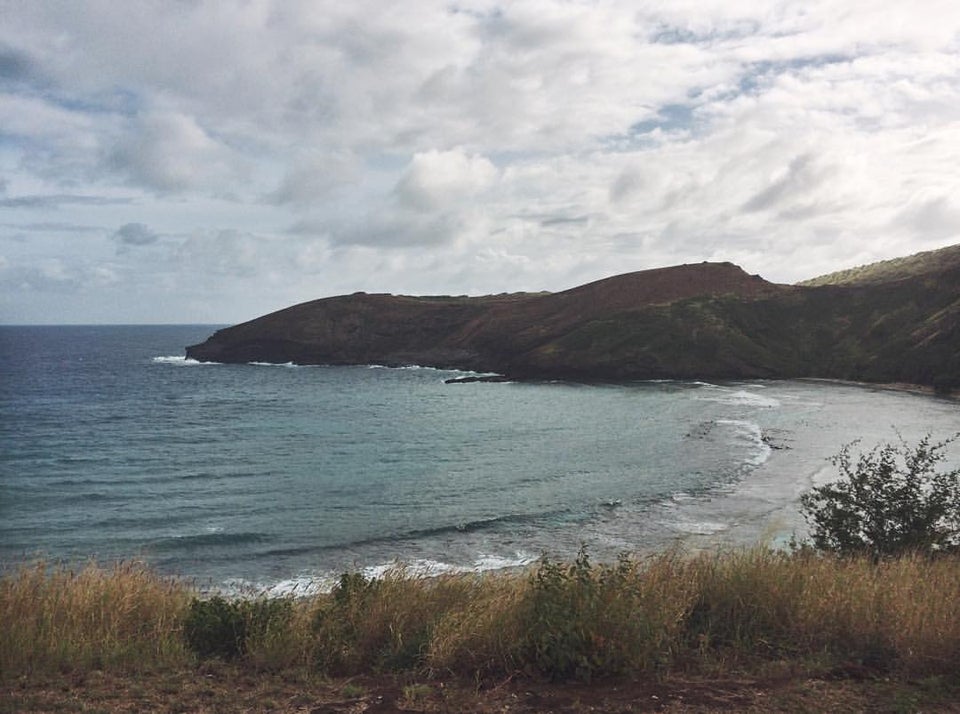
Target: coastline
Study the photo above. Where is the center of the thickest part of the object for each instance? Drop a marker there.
(908, 387)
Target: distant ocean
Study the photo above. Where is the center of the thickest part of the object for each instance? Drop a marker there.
(277, 478)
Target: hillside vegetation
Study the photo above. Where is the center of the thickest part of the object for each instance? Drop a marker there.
(931, 261)
(791, 617)
(897, 321)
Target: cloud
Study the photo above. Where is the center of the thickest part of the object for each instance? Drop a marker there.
(400, 229)
(313, 177)
(800, 178)
(54, 201)
(547, 221)
(436, 179)
(225, 253)
(135, 234)
(15, 66)
(285, 149)
(931, 219)
(169, 151)
(51, 275)
(434, 201)
(52, 227)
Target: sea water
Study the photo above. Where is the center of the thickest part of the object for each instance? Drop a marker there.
(277, 477)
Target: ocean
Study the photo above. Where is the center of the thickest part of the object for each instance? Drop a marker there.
(276, 478)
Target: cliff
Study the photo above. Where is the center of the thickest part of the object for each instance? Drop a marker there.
(709, 320)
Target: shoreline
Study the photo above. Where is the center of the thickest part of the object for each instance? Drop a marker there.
(922, 390)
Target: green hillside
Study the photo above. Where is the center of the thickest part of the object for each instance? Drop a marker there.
(890, 270)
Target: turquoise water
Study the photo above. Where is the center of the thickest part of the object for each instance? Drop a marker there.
(114, 446)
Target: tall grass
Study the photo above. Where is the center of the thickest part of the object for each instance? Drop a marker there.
(54, 617)
(562, 620)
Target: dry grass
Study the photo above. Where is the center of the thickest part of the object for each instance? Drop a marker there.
(479, 636)
(750, 611)
(452, 624)
(57, 618)
(901, 614)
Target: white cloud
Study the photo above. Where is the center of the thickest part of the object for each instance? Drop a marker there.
(312, 177)
(228, 252)
(934, 218)
(437, 179)
(473, 146)
(169, 151)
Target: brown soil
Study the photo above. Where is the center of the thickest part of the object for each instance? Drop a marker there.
(223, 688)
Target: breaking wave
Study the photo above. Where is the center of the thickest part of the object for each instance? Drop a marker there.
(179, 360)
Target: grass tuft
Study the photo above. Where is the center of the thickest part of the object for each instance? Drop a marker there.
(53, 617)
(754, 610)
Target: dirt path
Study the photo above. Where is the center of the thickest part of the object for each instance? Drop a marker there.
(220, 688)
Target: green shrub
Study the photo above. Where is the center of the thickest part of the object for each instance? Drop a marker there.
(890, 501)
(337, 623)
(218, 627)
(215, 628)
(588, 621)
(564, 598)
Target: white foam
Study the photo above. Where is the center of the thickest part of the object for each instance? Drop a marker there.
(405, 366)
(824, 475)
(273, 364)
(753, 433)
(496, 562)
(308, 585)
(427, 568)
(740, 397)
(299, 586)
(420, 367)
(749, 399)
(415, 568)
(179, 360)
(700, 527)
(419, 568)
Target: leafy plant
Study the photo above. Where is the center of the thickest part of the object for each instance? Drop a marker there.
(337, 622)
(888, 501)
(588, 621)
(215, 628)
(223, 628)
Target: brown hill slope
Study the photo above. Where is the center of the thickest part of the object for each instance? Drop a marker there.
(472, 333)
(707, 320)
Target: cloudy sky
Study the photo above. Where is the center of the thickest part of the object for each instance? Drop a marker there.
(195, 162)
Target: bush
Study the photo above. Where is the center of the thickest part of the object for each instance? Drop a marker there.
(566, 602)
(223, 628)
(890, 501)
(215, 628)
(590, 621)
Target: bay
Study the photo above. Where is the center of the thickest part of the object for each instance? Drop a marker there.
(114, 446)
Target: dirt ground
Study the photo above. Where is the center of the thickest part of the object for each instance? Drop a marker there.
(222, 688)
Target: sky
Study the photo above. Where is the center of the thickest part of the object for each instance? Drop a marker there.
(184, 161)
